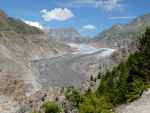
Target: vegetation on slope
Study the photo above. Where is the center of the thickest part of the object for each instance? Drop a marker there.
(124, 83)
(49, 107)
(16, 25)
(20, 27)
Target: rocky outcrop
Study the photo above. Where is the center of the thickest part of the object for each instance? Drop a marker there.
(142, 105)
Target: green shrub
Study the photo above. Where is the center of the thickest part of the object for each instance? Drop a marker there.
(99, 75)
(114, 84)
(51, 107)
(93, 104)
(34, 111)
(74, 97)
(137, 90)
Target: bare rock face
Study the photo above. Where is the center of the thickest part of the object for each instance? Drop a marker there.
(9, 86)
(65, 34)
(19, 45)
(71, 69)
(12, 92)
(7, 105)
(17, 76)
(141, 105)
(17, 51)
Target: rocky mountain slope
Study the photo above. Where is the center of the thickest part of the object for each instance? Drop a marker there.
(27, 66)
(19, 45)
(10, 24)
(124, 33)
(72, 69)
(32, 63)
(66, 35)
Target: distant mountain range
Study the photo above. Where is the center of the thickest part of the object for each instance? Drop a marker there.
(66, 35)
(124, 32)
(62, 34)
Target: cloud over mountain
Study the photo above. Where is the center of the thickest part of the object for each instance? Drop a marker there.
(89, 27)
(59, 14)
(34, 23)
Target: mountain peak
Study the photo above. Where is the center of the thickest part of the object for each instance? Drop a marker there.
(2, 14)
(11, 24)
(120, 32)
(141, 19)
(65, 34)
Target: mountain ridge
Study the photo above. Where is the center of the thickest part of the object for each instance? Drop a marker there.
(12, 24)
(127, 32)
(19, 45)
(66, 35)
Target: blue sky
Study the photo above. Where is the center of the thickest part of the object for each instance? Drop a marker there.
(89, 17)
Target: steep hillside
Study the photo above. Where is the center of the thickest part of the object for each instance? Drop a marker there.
(122, 34)
(16, 25)
(19, 45)
(125, 83)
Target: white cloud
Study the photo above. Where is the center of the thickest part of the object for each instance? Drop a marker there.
(121, 17)
(60, 14)
(34, 23)
(107, 5)
(89, 27)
